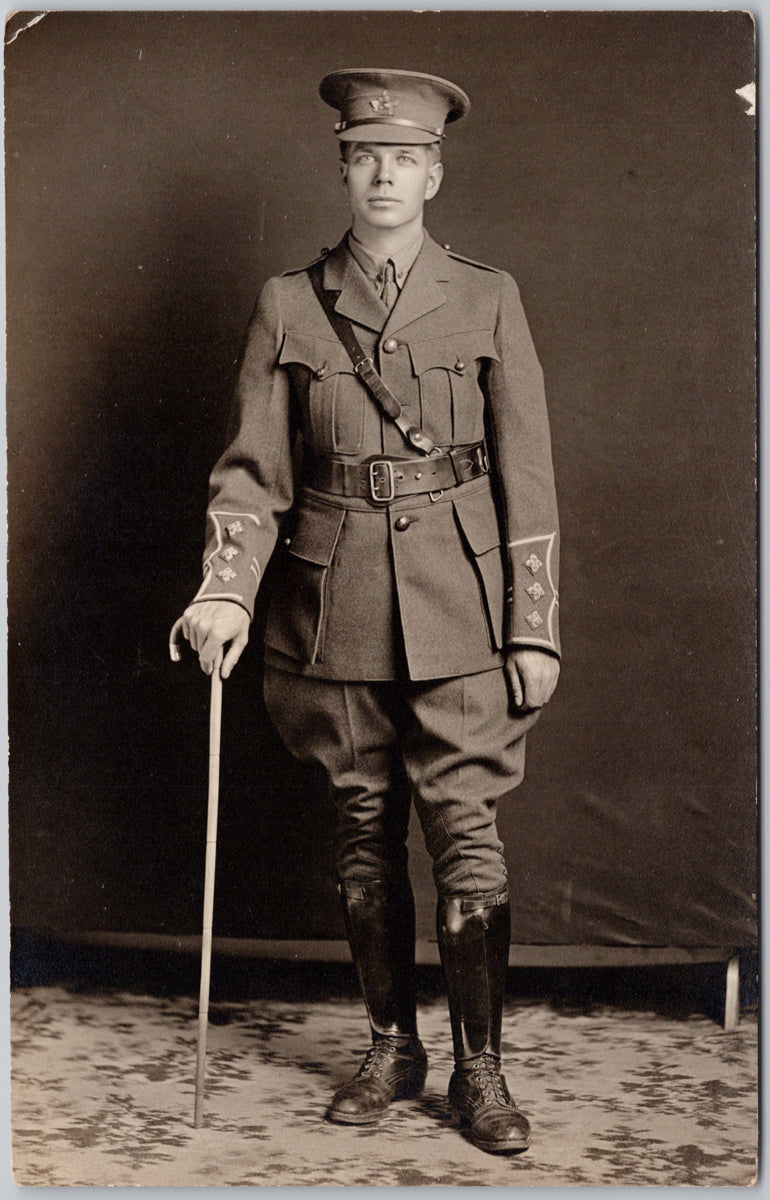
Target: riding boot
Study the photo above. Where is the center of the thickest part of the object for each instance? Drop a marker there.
(473, 938)
(379, 918)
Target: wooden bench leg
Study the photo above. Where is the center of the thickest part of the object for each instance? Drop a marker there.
(732, 994)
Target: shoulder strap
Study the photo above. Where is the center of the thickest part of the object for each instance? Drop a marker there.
(364, 367)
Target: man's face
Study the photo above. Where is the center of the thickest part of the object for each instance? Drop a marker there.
(388, 185)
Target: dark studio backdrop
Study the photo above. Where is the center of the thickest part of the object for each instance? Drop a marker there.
(160, 167)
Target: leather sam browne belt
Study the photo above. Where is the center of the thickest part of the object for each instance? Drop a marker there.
(381, 480)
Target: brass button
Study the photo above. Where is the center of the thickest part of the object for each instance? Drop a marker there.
(460, 365)
(403, 523)
(389, 345)
(320, 373)
(445, 246)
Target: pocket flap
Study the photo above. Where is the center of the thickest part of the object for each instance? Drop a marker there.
(329, 357)
(316, 532)
(454, 353)
(477, 516)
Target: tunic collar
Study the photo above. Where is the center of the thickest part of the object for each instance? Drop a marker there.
(373, 265)
(357, 299)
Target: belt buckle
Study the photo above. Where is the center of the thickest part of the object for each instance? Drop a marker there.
(381, 475)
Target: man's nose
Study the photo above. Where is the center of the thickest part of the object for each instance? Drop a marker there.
(384, 171)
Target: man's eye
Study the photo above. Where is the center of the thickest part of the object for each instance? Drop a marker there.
(407, 158)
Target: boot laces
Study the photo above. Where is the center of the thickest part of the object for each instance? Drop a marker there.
(487, 1076)
(380, 1055)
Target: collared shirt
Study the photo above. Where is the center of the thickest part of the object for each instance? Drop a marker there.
(373, 265)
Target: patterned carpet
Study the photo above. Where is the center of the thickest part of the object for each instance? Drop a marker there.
(103, 1095)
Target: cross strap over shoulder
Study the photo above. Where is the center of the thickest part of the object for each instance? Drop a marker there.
(365, 369)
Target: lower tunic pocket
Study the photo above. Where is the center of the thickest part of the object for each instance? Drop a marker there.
(477, 518)
(298, 610)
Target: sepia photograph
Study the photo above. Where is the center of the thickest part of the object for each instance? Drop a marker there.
(382, 598)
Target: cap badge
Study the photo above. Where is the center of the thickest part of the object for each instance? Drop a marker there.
(383, 105)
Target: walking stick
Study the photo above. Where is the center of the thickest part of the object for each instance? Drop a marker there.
(215, 727)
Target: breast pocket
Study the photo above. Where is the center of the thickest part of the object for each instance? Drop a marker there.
(476, 515)
(448, 368)
(331, 395)
(300, 603)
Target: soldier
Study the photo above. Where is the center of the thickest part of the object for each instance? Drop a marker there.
(412, 637)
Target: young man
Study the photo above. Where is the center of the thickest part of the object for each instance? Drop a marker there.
(412, 636)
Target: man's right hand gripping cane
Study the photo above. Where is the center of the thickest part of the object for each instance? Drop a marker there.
(209, 626)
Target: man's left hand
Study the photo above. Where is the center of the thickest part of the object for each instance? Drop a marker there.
(532, 675)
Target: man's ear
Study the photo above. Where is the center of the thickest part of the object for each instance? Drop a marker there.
(344, 171)
(435, 175)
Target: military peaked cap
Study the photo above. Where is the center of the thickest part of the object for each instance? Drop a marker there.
(392, 106)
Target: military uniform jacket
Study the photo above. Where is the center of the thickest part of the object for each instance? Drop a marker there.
(361, 592)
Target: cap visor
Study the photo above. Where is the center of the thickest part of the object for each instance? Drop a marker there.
(401, 135)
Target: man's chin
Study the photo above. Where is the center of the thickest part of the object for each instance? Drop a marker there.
(386, 218)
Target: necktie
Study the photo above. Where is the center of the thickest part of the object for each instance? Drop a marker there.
(389, 291)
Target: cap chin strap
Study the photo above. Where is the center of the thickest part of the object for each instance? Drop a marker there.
(341, 126)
